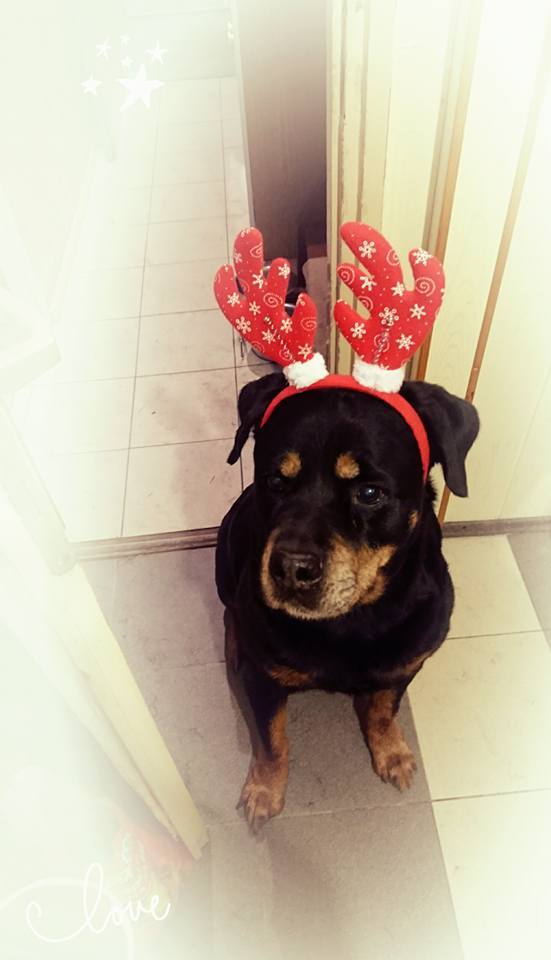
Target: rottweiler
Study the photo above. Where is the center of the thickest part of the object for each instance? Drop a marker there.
(330, 565)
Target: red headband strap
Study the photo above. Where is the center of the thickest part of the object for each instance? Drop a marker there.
(394, 400)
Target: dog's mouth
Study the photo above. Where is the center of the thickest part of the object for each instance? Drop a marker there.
(314, 584)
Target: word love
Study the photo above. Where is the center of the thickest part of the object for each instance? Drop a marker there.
(97, 915)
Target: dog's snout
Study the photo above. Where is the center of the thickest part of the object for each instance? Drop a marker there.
(294, 570)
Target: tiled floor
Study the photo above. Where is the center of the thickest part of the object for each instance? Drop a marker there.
(458, 867)
(146, 386)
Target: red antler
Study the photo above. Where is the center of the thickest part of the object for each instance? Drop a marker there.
(259, 314)
(399, 319)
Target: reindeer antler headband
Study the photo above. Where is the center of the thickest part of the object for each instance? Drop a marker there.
(397, 323)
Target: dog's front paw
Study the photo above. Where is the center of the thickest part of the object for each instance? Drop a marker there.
(395, 765)
(263, 796)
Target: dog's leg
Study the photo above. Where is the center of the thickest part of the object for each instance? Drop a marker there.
(392, 759)
(263, 794)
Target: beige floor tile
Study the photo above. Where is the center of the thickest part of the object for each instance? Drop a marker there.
(237, 200)
(179, 487)
(130, 205)
(189, 165)
(88, 490)
(112, 246)
(172, 6)
(103, 295)
(234, 163)
(178, 241)
(183, 407)
(79, 417)
(96, 351)
(482, 709)
(186, 101)
(235, 225)
(176, 137)
(497, 852)
(180, 287)
(232, 132)
(186, 201)
(230, 97)
(185, 341)
(490, 593)
(250, 367)
(133, 166)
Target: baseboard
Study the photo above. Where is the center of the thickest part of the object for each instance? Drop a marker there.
(206, 537)
(149, 543)
(487, 528)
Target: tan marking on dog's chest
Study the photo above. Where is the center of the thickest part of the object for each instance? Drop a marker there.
(288, 677)
(404, 671)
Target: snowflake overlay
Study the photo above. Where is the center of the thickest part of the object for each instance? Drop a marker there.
(389, 316)
(417, 311)
(243, 325)
(421, 256)
(404, 342)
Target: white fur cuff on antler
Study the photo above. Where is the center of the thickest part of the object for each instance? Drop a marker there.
(371, 375)
(304, 374)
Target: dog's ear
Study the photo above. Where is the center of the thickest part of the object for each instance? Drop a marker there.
(452, 427)
(253, 400)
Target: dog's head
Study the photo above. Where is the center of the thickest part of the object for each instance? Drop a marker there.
(340, 489)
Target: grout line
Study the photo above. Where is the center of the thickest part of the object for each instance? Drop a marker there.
(229, 257)
(182, 443)
(404, 804)
(497, 793)
(141, 376)
(498, 633)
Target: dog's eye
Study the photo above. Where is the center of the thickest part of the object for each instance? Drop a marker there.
(276, 483)
(368, 495)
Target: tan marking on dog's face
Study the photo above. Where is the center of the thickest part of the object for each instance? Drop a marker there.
(392, 759)
(263, 794)
(291, 464)
(351, 575)
(346, 467)
(413, 519)
(291, 678)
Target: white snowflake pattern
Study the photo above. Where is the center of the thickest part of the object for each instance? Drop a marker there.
(284, 270)
(417, 311)
(268, 336)
(286, 325)
(304, 351)
(368, 249)
(421, 256)
(368, 281)
(398, 289)
(243, 325)
(258, 279)
(358, 330)
(254, 308)
(266, 319)
(389, 316)
(233, 299)
(404, 342)
(237, 257)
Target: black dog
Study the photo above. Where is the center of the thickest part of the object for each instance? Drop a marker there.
(330, 565)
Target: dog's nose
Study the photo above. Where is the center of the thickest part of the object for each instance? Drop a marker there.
(298, 571)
